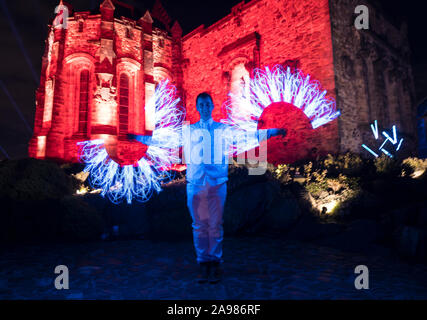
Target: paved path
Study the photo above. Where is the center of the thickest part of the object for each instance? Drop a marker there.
(254, 268)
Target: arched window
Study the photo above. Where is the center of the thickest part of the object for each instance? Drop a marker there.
(124, 105)
(83, 101)
(161, 73)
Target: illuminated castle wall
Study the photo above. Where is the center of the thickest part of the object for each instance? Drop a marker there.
(98, 74)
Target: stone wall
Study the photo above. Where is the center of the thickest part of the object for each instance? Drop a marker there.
(162, 55)
(373, 76)
(256, 34)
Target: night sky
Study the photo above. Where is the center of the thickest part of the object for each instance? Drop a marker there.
(23, 27)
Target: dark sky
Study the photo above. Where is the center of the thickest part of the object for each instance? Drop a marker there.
(23, 29)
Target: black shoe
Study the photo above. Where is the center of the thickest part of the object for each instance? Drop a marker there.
(203, 272)
(215, 273)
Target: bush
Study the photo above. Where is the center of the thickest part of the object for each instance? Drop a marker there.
(412, 165)
(284, 173)
(348, 164)
(407, 170)
(32, 179)
(342, 184)
(387, 167)
(238, 177)
(38, 204)
(317, 183)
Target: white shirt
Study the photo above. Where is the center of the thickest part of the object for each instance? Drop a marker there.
(206, 147)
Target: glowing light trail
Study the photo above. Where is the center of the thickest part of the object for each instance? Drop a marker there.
(393, 140)
(139, 181)
(399, 145)
(387, 153)
(372, 152)
(374, 128)
(276, 85)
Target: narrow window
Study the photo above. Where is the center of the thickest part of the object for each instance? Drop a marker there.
(129, 34)
(84, 101)
(124, 105)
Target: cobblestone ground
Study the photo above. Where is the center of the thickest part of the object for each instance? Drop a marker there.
(254, 268)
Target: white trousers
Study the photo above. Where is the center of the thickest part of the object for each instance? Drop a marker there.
(206, 206)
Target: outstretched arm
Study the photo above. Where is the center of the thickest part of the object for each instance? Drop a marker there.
(246, 140)
(273, 132)
(147, 140)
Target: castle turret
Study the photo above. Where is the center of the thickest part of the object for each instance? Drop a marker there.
(146, 23)
(177, 59)
(104, 114)
(55, 94)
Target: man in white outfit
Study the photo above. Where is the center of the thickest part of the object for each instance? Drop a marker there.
(207, 175)
(206, 144)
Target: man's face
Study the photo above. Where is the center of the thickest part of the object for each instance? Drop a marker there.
(205, 107)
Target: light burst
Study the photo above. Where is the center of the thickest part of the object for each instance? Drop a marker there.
(277, 85)
(140, 180)
(395, 142)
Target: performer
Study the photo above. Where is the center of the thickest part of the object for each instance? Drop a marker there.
(206, 146)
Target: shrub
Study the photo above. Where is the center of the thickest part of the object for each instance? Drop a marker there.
(412, 165)
(239, 176)
(308, 170)
(32, 179)
(284, 173)
(387, 167)
(316, 182)
(348, 164)
(407, 170)
(340, 185)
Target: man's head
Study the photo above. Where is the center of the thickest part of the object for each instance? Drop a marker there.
(204, 105)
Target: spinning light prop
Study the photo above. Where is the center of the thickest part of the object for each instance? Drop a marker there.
(275, 86)
(138, 181)
(397, 144)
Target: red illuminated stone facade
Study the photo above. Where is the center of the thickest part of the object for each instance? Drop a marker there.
(100, 71)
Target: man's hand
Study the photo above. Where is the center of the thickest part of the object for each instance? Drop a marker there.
(274, 132)
(147, 140)
(131, 136)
